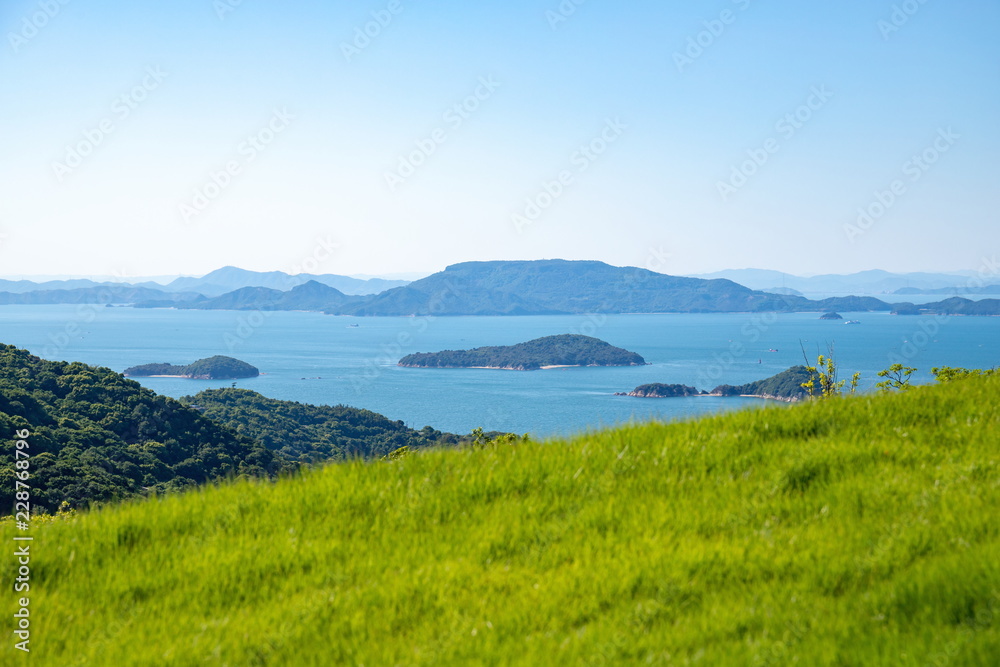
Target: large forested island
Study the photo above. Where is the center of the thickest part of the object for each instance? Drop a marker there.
(547, 352)
(213, 368)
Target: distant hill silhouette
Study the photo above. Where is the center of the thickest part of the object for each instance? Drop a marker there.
(230, 278)
(863, 282)
(539, 287)
(562, 286)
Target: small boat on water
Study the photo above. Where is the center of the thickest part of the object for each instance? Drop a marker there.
(852, 322)
(353, 326)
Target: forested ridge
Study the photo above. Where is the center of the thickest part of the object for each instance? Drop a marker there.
(786, 384)
(311, 433)
(96, 436)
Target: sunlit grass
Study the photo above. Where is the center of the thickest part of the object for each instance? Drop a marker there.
(853, 531)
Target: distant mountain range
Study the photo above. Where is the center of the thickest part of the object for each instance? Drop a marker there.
(24, 286)
(864, 282)
(953, 306)
(102, 294)
(216, 283)
(312, 295)
(230, 278)
(951, 291)
(559, 286)
(540, 287)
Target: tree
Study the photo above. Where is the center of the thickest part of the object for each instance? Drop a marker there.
(947, 373)
(898, 377)
(823, 382)
(482, 439)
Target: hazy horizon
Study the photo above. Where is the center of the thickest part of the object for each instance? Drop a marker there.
(163, 279)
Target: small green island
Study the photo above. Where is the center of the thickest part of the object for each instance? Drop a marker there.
(212, 368)
(560, 351)
(658, 390)
(831, 316)
(785, 386)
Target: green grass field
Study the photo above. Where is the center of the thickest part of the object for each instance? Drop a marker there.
(854, 531)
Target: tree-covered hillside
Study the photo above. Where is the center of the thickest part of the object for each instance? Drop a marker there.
(786, 385)
(312, 433)
(561, 350)
(97, 436)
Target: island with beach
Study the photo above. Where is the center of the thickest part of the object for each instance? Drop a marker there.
(213, 368)
(561, 351)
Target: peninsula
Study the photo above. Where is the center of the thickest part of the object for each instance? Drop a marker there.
(212, 368)
(785, 386)
(547, 352)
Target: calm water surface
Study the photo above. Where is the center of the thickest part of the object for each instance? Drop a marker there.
(323, 359)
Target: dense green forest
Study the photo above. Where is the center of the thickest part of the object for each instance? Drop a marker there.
(213, 368)
(786, 384)
(97, 436)
(311, 433)
(561, 350)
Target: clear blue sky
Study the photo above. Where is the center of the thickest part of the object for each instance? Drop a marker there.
(199, 79)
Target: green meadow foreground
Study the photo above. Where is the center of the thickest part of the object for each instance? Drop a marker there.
(850, 531)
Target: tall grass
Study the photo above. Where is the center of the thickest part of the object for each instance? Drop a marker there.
(854, 531)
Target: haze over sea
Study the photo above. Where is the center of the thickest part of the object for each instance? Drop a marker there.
(320, 359)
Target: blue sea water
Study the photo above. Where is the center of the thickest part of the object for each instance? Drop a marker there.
(322, 359)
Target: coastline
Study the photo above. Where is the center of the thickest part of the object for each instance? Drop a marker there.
(515, 368)
(189, 377)
(766, 397)
(493, 368)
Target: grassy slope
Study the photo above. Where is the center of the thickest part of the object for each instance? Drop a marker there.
(855, 531)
